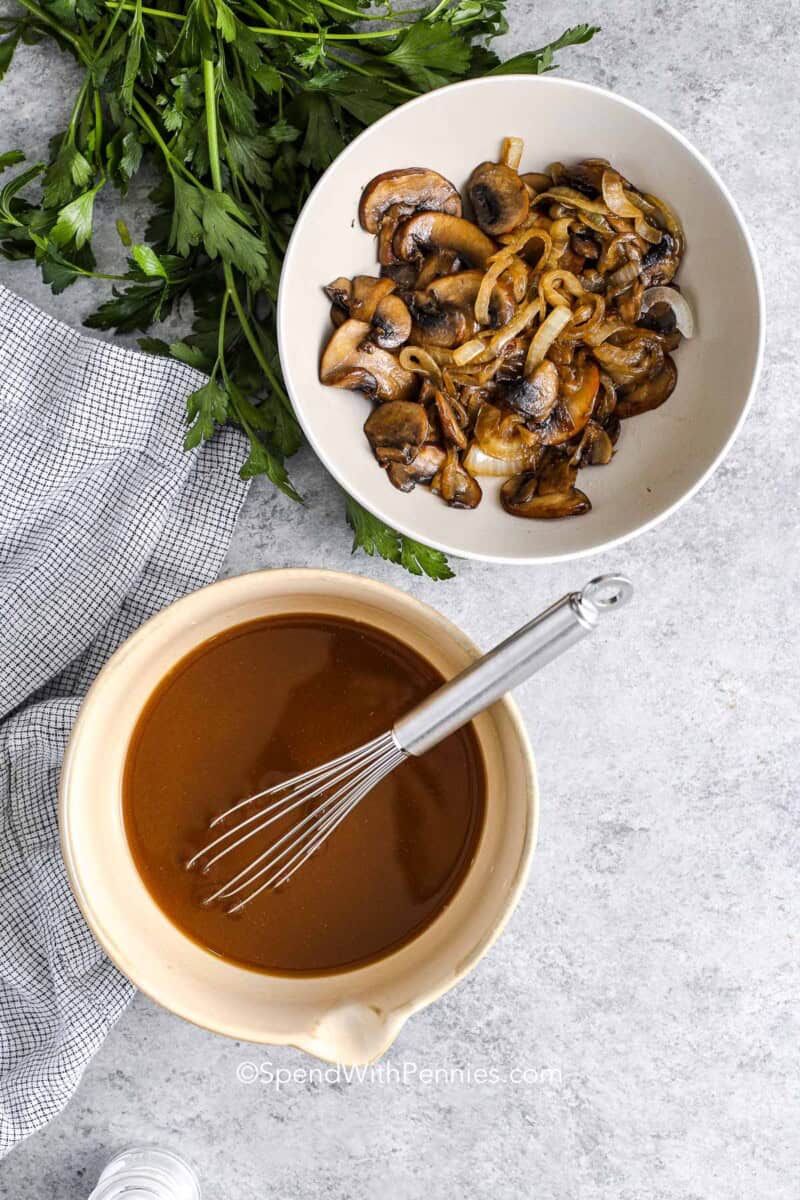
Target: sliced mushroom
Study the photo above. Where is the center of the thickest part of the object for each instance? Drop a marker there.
(660, 263)
(505, 434)
(412, 189)
(390, 221)
(391, 323)
(366, 293)
(498, 197)
(520, 497)
(438, 231)
(455, 485)
(659, 317)
(339, 292)
(535, 397)
(396, 430)
(351, 361)
(451, 430)
(643, 397)
(404, 275)
(441, 262)
(427, 462)
(573, 410)
(536, 181)
(437, 326)
(461, 291)
(595, 448)
(556, 476)
(613, 428)
(585, 243)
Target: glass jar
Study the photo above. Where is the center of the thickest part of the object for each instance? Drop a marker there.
(147, 1173)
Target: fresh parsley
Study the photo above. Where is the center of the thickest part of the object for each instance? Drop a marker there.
(236, 106)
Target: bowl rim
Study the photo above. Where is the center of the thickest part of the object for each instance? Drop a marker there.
(534, 558)
(92, 912)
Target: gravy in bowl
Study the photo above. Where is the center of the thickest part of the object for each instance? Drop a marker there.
(262, 702)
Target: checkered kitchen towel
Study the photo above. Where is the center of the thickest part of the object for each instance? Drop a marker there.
(103, 521)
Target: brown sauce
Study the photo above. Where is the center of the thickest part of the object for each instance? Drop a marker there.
(262, 702)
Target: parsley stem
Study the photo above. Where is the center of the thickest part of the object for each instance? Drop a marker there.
(169, 157)
(360, 70)
(328, 37)
(270, 31)
(215, 167)
(64, 34)
(331, 4)
(151, 12)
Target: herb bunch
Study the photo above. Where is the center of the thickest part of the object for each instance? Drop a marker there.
(239, 106)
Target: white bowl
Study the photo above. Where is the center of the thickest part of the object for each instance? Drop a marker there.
(664, 456)
(355, 1014)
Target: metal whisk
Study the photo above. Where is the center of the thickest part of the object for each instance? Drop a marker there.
(335, 788)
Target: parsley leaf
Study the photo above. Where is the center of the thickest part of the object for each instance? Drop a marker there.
(205, 409)
(374, 537)
(149, 262)
(187, 227)
(11, 158)
(537, 62)
(430, 55)
(74, 224)
(68, 173)
(234, 122)
(225, 236)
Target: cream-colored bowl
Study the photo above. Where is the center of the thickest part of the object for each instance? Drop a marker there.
(664, 456)
(350, 1017)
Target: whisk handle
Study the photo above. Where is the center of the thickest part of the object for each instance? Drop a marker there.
(566, 622)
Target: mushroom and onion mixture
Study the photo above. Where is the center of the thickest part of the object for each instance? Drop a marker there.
(513, 344)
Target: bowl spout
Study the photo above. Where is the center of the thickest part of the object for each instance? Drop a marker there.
(353, 1034)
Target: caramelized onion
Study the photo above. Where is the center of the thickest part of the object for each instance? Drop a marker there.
(530, 325)
(545, 335)
(684, 320)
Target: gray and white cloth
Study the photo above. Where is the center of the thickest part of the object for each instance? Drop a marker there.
(104, 520)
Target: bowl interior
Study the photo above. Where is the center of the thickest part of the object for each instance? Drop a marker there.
(350, 1016)
(663, 456)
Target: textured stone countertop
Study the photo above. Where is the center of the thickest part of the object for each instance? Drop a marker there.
(647, 986)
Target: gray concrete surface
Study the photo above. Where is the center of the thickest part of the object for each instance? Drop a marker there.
(646, 990)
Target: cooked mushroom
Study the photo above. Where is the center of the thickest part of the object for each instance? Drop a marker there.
(438, 231)
(422, 470)
(404, 274)
(366, 293)
(660, 263)
(391, 323)
(556, 476)
(436, 265)
(520, 497)
(585, 243)
(498, 197)
(511, 344)
(339, 292)
(585, 177)
(451, 430)
(411, 189)
(595, 448)
(455, 485)
(390, 220)
(396, 430)
(504, 434)
(461, 291)
(536, 181)
(351, 361)
(573, 410)
(643, 397)
(437, 326)
(535, 397)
